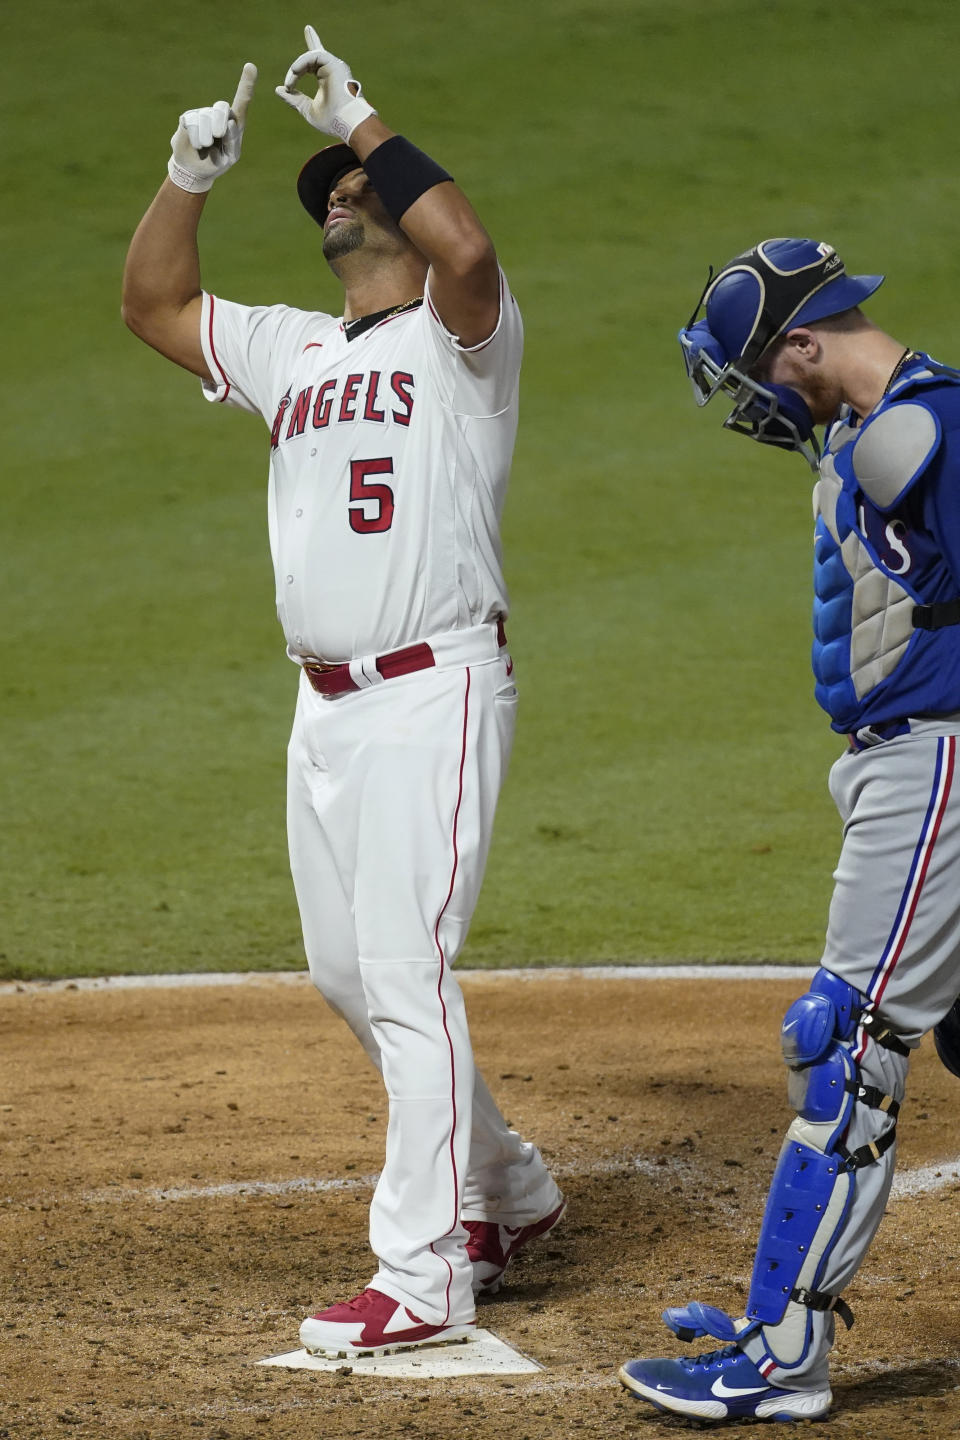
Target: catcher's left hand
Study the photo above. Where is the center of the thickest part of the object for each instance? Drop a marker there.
(338, 106)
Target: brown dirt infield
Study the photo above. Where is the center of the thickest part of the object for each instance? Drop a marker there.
(132, 1315)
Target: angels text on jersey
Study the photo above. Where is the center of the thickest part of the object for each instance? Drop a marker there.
(361, 395)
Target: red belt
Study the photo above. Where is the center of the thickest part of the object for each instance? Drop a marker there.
(331, 680)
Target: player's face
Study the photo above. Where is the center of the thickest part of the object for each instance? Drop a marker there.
(801, 364)
(355, 217)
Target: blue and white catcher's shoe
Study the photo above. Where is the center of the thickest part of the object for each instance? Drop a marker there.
(720, 1385)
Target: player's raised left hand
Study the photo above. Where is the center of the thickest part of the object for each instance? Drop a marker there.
(207, 141)
(338, 106)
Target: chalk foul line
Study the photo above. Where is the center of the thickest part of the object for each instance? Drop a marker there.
(639, 971)
(922, 1180)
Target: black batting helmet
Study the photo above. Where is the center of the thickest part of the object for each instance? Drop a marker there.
(320, 174)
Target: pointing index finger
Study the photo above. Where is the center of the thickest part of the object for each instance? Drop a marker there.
(244, 95)
(312, 38)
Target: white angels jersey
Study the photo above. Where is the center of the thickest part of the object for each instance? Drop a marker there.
(389, 460)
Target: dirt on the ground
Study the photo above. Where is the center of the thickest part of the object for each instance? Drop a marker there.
(141, 1283)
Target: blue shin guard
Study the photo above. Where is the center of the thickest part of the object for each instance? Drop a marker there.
(811, 1191)
(812, 1186)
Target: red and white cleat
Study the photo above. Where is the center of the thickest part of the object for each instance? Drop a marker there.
(374, 1324)
(491, 1247)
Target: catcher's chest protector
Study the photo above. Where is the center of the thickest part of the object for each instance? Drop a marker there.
(865, 586)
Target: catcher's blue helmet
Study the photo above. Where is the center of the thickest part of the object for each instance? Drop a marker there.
(756, 297)
(775, 286)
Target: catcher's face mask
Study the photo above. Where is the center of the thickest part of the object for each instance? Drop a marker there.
(757, 297)
(772, 414)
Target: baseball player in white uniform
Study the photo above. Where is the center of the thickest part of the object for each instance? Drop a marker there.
(391, 435)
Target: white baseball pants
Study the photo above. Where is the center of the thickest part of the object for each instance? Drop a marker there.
(391, 797)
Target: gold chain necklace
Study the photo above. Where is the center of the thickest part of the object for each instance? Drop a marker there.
(908, 354)
(353, 328)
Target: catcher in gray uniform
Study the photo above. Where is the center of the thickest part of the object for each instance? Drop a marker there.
(786, 343)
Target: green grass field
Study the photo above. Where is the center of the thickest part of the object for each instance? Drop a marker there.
(668, 794)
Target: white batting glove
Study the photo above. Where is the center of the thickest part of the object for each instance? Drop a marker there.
(338, 107)
(207, 142)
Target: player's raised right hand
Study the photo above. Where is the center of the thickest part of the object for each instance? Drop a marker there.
(207, 141)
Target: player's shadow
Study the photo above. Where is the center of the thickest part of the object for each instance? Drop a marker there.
(934, 1377)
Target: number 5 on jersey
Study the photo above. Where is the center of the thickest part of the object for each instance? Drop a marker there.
(371, 504)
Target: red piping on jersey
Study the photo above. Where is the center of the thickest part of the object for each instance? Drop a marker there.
(216, 359)
(446, 1031)
(312, 345)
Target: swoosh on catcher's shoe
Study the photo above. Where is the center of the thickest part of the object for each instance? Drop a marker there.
(723, 1391)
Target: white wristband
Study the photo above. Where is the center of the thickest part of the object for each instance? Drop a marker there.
(349, 116)
(186, 180)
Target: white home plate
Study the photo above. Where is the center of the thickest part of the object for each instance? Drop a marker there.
(483, 1354)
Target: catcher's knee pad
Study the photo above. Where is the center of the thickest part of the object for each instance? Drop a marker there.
(813, 1183)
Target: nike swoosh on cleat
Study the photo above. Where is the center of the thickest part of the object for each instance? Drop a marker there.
(723, 1391)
